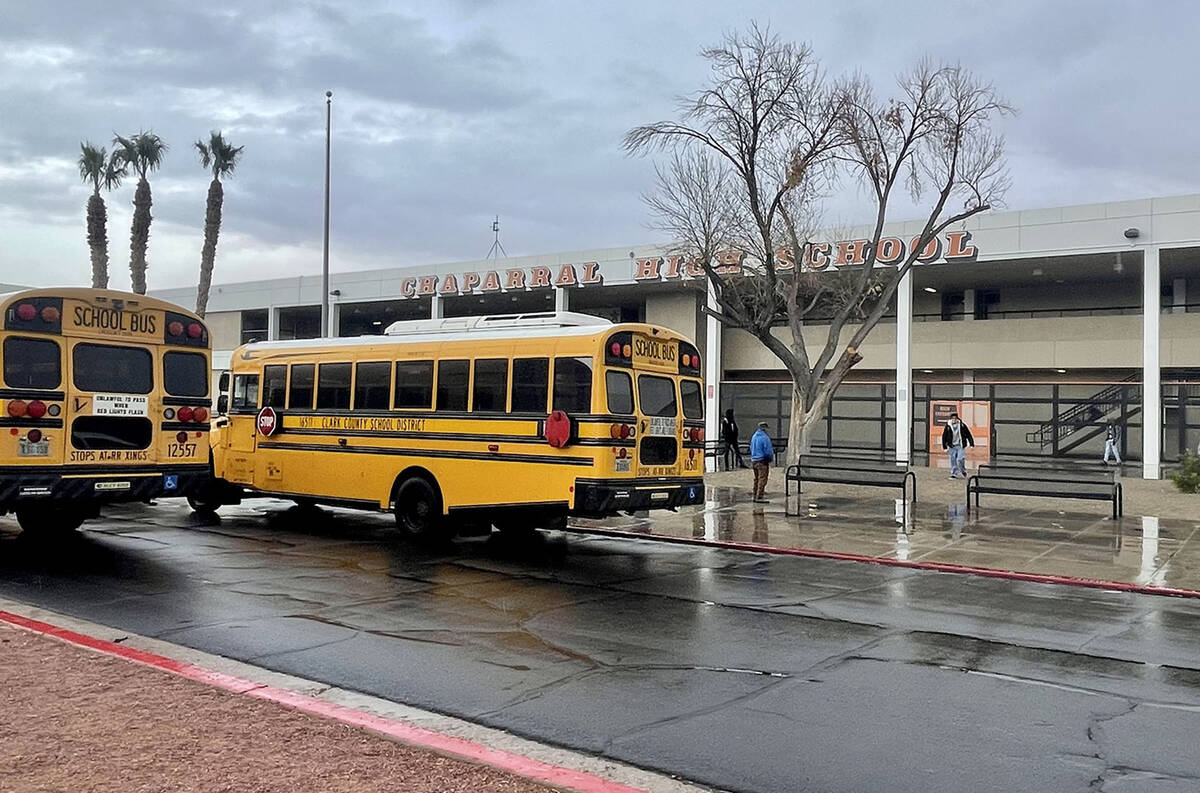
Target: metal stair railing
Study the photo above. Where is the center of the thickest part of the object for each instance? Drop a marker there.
(1083, 414)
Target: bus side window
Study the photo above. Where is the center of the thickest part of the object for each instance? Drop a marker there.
(274, 386)
(530, 385)
(372, 385)
(414, 385)
(300, 392)
(245, 392)
(619, 386)
(490, 389)
(333, 386)
(452, 385)
(573, 385)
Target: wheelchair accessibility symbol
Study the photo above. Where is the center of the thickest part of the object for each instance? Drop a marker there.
(170, 481)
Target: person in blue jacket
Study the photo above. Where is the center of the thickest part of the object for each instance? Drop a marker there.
(761, 455)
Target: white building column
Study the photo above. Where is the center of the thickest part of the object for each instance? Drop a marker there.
(712, 376)
(562, 299)
(1179, 295)
(1151, 374)
(435, 307)
(904, 302)
(272, 323)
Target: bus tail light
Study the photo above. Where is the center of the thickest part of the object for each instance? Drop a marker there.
(685, 359)
(17, 408)
(615, 430)
(200, 414)
(175, 328)
(616, 349)
(194, 330)
(36, 409)
(34, 436)
(627, 351)
(181, 436)
(26, 312)
(51, 314)
(184, 413)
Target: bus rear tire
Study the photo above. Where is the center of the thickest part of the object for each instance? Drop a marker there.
(419, 509)
(202, 505)
(47, 519)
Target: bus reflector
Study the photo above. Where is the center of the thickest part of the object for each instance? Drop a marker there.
(34, 436)
(36, 409)
(181, 436)
(16, 408)
(26, 312)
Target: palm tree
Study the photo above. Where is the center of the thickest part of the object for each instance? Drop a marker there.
(103, 172)
(221, 158)
(143, 153)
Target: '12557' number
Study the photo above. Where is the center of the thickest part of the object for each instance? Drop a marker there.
(181, 450)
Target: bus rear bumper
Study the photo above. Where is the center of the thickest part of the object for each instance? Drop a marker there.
(18, 488)
(598, 498)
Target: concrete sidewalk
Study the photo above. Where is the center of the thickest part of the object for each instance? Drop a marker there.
(1155, 545)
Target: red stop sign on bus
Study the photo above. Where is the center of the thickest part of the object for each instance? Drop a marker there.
(268, 421)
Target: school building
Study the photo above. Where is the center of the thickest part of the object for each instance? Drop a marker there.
(1044, 325)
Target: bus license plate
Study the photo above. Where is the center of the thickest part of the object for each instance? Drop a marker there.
(27, 449)
(112, 485)
(623, 465)
(662, 426)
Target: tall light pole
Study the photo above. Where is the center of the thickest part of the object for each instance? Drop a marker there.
(325, 258)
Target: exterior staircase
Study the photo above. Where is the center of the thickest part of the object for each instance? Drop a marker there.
(1083, 421)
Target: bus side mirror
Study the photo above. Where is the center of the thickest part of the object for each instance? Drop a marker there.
(223, 404)
(223, 384)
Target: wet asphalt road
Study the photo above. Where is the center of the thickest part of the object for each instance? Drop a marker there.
(741, 671)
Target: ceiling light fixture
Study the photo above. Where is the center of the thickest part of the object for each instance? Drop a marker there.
(930, 289)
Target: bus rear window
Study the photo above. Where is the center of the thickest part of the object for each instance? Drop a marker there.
(31, 363)
(104, 368)
(619, 386)
(333, 386)
(185, 374)
(656, 396)
(689, 395)
(573, 385)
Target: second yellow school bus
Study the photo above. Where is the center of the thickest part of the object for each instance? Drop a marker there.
(517, 421)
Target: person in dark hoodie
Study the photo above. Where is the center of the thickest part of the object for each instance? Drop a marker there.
(955, 439)
(729, 438)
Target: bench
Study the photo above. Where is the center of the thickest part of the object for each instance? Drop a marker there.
(849, 471)
(1048, 482)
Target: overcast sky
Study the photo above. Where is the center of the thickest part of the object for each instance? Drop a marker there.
(449, 112)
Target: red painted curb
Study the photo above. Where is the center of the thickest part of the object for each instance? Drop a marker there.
(462, 748)
(941, 567)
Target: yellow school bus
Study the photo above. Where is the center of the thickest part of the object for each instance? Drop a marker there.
(106, 398)
(517, 421)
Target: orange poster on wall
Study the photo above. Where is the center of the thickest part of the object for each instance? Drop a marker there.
(976, 414)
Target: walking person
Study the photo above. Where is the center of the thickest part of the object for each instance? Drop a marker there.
(729, 436)
(761, 455)
(1112, 442)
(955, 438)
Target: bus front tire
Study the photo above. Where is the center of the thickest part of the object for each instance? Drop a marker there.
(419, 509)
(50, 519)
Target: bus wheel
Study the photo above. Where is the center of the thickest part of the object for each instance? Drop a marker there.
(418, 509)
(50, 520)
(203, 506)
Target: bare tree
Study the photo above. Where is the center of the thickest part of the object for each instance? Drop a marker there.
(774, 135)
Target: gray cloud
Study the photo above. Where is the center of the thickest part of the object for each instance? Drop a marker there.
(446, 113)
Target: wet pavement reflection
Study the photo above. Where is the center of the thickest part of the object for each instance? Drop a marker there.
(1141, 550)
(744, 671)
